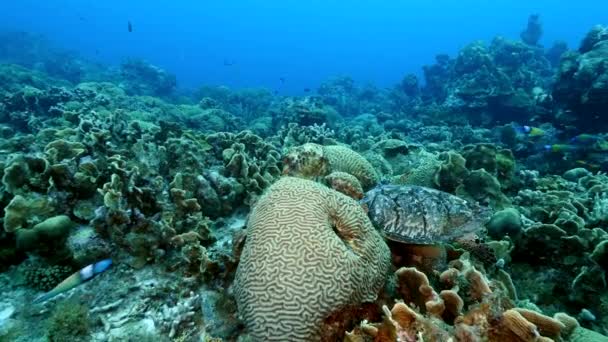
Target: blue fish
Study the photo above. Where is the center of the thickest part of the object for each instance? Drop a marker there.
(529, 131)
(586, 139)
(76, 279)
(561, 148)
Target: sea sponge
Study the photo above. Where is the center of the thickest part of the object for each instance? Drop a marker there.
(309, 251)
(314, 161)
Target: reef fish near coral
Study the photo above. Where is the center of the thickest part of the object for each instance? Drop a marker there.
(530, 131)
(76, 279)
(419, 215)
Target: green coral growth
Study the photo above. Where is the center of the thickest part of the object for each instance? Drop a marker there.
(69, 322)
(45, 277)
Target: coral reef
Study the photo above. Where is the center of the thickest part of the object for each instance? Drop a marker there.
(141, 78)
(487, 83)
(208, 198)
(468, 308)
(480, 174)
(581, 83)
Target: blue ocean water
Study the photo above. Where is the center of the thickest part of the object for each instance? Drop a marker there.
(304, 42)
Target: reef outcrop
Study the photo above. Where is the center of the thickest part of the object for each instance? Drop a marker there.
(309, 252)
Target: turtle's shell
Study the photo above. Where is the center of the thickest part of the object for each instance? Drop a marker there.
(419, 215)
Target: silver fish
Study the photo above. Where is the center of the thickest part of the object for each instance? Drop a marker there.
(419, 215)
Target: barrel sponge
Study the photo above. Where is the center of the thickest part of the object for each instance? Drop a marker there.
(309, 251)
(344, 159)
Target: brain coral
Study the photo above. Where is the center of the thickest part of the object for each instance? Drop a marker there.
(310, 251)
(346, 160)
(313, 160)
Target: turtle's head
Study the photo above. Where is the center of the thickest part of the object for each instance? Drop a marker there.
(369, 196)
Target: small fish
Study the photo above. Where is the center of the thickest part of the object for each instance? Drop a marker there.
(530, 131)
(282, 79)
(76, 279)
(561, 148)
(585, 139)
(306, 90)
(129, 26)
(586, 164)
(228, 63)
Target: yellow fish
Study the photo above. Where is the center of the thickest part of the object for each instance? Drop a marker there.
(536, 132)
(530, 131)
(561, 148)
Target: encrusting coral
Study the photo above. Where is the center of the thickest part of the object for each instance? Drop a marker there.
(309, 251)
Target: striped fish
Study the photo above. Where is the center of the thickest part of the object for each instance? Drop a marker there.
(75, 279)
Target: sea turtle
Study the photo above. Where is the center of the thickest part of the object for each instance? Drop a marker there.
(420, 220)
